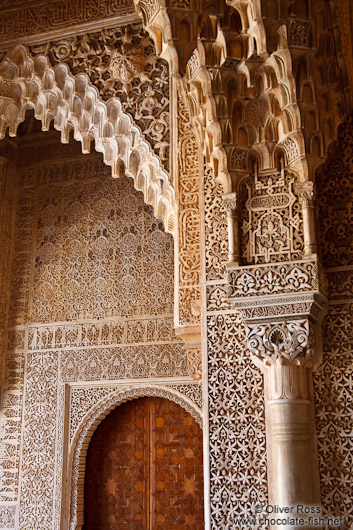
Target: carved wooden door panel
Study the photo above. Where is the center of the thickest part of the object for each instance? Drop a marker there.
(144, 469)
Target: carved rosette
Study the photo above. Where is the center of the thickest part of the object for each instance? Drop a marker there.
(127, 63)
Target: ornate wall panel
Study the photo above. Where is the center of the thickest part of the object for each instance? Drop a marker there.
(189, 218)
(238, 473)
(39, 441)
(216, 228)
(334, 184)
(333, 381)
(91, 301)
(236, 423)
(8, 184)
(333, 396)
(94, 241)
(11, 426)
(271, 219)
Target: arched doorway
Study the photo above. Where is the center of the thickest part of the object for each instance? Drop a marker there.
(144, 469)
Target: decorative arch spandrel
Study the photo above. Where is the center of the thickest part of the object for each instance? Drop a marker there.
(74, 104)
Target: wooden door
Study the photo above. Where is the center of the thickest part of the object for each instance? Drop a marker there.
(144, 469)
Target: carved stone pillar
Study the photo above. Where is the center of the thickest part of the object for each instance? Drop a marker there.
(282, 306)
(188, 281)
(305, 191)
(285, 351)
(231, 206)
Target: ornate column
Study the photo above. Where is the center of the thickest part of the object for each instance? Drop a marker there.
(280, 294)
(231, 205)
(282, 306)
(305, 192)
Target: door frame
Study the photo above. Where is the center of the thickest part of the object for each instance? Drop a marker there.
(75, 463)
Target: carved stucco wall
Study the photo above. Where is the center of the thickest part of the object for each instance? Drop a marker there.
(237, 438)
(91, 303)
(333, 381)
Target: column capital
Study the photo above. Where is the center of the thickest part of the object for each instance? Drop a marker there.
(305, 191)
(230, 201)
(282, 342)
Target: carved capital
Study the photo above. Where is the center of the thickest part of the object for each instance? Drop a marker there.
(230, 202)
(287, 341)
(285, 351)
(305, 192)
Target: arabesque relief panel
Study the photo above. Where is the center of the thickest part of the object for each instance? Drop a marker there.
(333, 381)
(238, 471)
(91, 301)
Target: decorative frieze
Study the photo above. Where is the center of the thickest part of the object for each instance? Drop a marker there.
(95, 333)
(276, 279)
(125, 362)
(22, 20)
